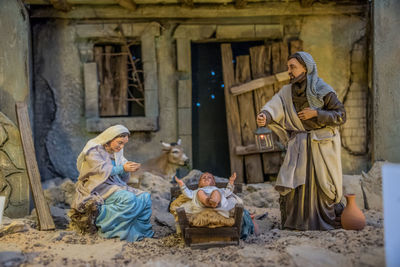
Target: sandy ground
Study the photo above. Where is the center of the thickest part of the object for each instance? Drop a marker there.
(273, 247)
(24, 245)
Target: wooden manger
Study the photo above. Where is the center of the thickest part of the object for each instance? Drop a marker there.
(205, 237)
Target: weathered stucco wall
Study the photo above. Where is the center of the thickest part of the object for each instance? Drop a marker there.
(386, 80)
(60, 102)
(336, 42)
(14, 56)
(339, 47)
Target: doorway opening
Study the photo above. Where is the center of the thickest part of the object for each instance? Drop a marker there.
(210, 146)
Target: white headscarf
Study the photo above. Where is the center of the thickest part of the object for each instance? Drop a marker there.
(103, 138)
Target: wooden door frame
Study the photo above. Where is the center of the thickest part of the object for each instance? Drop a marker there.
(184, 35)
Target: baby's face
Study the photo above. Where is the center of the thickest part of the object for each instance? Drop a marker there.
(206, 179)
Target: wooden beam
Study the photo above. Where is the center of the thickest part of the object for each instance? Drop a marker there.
(203, 231)
(252, 149)
(203, 11)
(152, 2)
(259, 83)
(42, 208)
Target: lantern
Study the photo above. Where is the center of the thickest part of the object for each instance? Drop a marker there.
(264, 139)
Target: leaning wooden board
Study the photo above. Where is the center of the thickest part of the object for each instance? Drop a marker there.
(247, 118)
(42, 208)
(232, 112)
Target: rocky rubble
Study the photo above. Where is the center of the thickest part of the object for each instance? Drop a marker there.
(22, 243)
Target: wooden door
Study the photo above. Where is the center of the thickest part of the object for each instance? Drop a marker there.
(249, 84)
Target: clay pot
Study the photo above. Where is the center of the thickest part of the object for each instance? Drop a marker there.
(352, 217)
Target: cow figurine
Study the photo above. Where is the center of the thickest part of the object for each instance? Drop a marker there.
(165, 165)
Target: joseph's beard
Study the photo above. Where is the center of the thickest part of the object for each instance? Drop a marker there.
(295, 79)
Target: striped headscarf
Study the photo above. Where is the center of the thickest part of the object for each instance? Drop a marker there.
(316, 87)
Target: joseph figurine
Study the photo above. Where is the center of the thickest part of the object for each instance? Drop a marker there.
(305, 115)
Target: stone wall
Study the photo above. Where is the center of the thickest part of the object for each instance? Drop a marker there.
(340, 51)
(60, 131)
(14, 56)
(337, 42)
(386, 81)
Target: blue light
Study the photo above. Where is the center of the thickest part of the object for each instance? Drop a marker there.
(212, 96)
(133, 57)
(198, 104)
(233, 61)
(212, 73)
(222, 85)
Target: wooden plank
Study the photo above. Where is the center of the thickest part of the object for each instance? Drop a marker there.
(275, 57)
(238, 216)
(264, 94)
(202, 231)
(106, 99)
(252, 149)
(42, 208)
(153, 2)
(258, 57)
(272, 160)
(183, 223)
(121, 84)
(282, 77)
(268, 59)
(284, 54)
(248, 125)
(253, 85)
(213, 244)
(259, 83)
(206, 11)
(232, 112)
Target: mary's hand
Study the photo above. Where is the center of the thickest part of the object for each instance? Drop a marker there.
(131, 166)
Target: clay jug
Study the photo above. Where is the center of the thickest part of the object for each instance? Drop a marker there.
(352, 217)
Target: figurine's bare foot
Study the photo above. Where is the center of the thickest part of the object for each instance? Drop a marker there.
(214, 199)
(203, 198)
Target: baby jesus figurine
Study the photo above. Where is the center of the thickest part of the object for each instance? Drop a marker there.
(207, 195)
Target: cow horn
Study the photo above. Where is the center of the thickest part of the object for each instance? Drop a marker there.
(166, 145)
(179, 142)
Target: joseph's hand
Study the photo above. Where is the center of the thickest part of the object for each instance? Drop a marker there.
(261, 120)
(307, 114)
